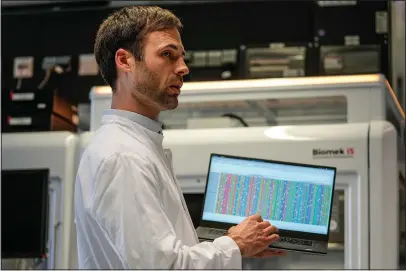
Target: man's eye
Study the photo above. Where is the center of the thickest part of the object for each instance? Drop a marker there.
(167, 54)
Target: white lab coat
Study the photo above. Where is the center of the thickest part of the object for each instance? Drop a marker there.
(129, 210)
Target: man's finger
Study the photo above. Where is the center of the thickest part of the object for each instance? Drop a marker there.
(272, 238)
(257, 217)
(264, 224)
(270, 229)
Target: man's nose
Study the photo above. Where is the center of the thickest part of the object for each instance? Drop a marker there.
(182, 68)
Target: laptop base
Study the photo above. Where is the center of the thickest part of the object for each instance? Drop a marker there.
(301, 245)
(284, 243)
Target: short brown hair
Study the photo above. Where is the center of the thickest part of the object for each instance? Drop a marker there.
(127, 28)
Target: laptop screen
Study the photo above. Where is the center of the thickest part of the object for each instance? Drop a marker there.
(291, 197)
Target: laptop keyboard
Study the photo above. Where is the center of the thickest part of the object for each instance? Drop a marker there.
(216, 231)
(295, 241)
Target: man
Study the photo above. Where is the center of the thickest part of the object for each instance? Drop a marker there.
(129, 210)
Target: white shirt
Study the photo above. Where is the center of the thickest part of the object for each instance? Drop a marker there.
(129, 209)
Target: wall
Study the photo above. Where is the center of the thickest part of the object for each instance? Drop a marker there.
(209, 26)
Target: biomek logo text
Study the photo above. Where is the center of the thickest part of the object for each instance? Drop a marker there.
(334, 153)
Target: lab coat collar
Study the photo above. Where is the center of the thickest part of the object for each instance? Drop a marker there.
(137, 123)
(146, 122)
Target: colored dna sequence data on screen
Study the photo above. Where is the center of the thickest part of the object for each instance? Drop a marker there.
(278, 200)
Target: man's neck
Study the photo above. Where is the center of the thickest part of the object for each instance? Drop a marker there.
(130, 104)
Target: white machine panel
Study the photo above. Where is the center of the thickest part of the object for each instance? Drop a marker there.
(296, 144)
(352, 148)
(56, 151)
(398, 49)
(345, 146)
(278, 101)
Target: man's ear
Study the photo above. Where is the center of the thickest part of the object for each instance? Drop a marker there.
(123, 60)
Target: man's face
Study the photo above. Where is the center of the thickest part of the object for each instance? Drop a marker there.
(157, 79)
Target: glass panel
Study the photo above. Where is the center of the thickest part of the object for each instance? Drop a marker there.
(296, 260)
(337, 219)
(287, 111)
(349, 59)
(275, 62)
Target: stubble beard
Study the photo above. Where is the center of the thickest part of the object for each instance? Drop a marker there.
(148, 92)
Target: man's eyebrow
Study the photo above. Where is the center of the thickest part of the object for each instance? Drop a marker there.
(174, 47)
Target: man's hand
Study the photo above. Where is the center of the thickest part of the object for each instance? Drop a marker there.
(253, 235)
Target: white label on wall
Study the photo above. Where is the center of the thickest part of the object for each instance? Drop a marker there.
(292, 72)
(333, 63)
(276, 45)
(325, 3)
(214, 59)
(351, 40)
(41, 106)
(88, 65)
(20, 121)
(50, 61)
(381, 22)
(229, 56)
(27, 96)
(199, 59)
(23, 67)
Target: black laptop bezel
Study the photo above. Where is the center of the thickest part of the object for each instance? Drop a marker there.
(284, 233)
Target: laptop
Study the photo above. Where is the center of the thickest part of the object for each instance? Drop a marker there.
(296, 198)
